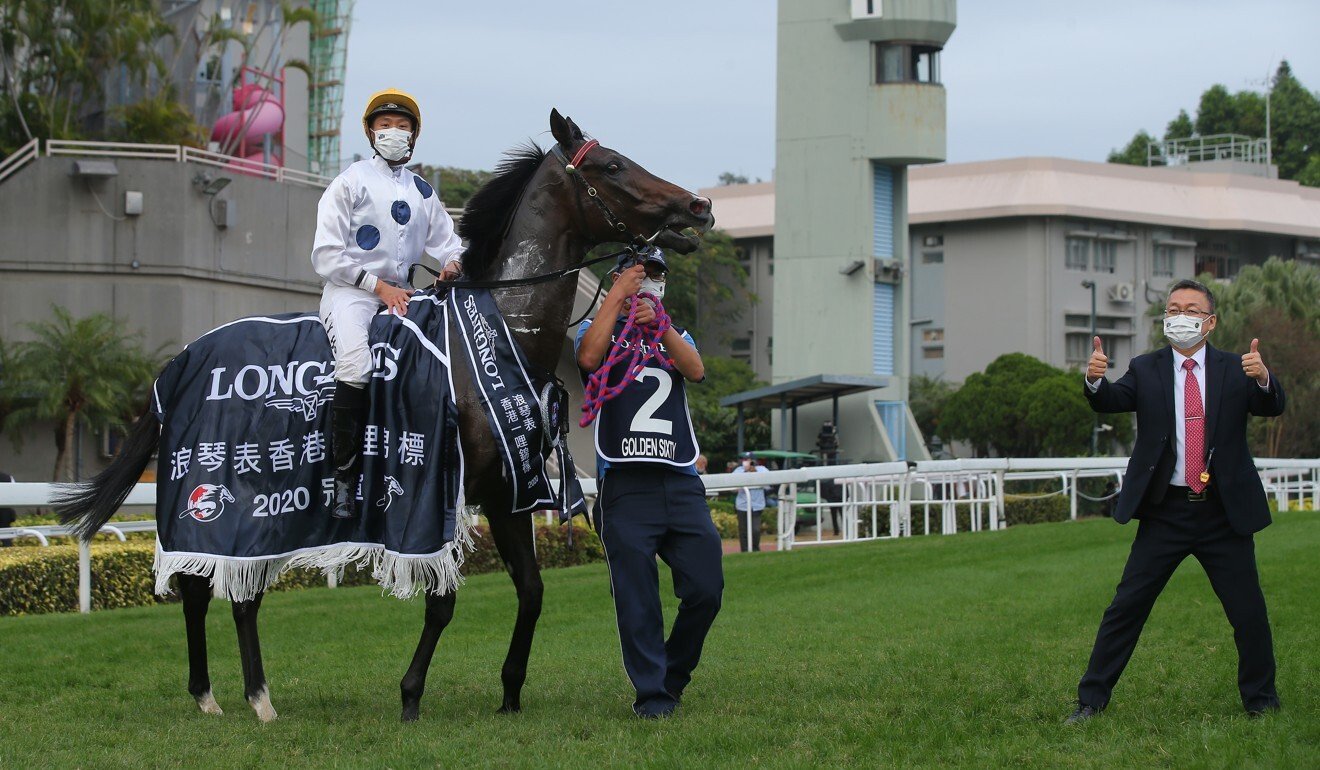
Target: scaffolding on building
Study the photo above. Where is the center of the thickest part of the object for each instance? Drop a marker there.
(325, 109)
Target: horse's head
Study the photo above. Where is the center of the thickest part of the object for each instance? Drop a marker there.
(630, 202)
(225, 495)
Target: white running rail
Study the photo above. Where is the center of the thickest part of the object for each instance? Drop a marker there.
(874, 501)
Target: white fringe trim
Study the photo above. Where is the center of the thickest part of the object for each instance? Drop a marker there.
(401, 575)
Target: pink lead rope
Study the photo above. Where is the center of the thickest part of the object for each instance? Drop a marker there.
(631, 344)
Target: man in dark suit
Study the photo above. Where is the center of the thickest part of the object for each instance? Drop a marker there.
(1192, 484)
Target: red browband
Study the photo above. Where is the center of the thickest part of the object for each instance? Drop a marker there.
(582, 152)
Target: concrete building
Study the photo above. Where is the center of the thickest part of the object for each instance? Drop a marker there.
(998, 251)
(1001, 249)
(859, 101)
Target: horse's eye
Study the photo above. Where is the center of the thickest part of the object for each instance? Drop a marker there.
(613, 168)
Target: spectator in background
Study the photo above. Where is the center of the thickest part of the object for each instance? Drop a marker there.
(701, 464)
(7, 515)
(750, 502)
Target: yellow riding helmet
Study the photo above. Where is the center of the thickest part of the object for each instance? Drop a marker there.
(395, 101)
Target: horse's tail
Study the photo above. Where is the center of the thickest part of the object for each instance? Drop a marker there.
(87, 506)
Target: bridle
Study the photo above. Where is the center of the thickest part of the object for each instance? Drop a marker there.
(637, 244)
(573, 168)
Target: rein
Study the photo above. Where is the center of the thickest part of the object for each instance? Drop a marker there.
(633, 344)
(571, 168)
(508, 283)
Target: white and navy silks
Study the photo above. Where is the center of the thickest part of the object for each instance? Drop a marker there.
(651, 502)
(373, 223)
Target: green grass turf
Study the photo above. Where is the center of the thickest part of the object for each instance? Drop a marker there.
(957, 650)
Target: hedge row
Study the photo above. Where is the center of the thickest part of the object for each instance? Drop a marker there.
(41, 580)
(1019, 509)
(38, 580)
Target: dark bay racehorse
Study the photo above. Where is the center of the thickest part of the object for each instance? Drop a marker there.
(535, 216)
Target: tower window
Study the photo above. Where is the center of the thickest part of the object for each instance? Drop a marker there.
(907, 63)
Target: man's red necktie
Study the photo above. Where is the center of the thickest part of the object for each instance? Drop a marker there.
(1194, 423)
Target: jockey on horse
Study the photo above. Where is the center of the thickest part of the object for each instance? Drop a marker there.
(374, 222)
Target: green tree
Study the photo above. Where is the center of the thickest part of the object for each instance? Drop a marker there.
(1057, 416)
(1278, 303)
(55, 56)
(77, 371)
(1134, 153)
(1294, 125)
(1023, 407)
(1180, 127)
(160, 119)
(706, 290)
(456, 184)
(717, 426)
(927, 398)
(1217, 112)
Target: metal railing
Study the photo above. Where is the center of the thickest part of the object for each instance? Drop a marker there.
(875, 501)
(113, 149)
(177, 153)
(254, 168)
(20, 158)
(1197, 149)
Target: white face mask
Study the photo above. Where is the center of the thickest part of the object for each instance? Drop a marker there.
(654, 287)
(392, 143)
(1184, 331)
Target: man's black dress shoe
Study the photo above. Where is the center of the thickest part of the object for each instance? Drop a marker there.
(1259, 711)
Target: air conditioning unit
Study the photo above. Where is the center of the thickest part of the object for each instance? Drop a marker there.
(1121, 292)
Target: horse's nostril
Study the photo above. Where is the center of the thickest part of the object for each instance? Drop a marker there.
(699, 206)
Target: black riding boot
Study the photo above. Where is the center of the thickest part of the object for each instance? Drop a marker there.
(348, 419)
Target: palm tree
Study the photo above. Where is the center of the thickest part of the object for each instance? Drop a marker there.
(78, 371)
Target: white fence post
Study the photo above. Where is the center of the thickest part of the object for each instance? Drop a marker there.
(1000, 520)
(1072, 484)
(84, 577)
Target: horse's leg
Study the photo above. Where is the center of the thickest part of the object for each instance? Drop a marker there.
(196, 593)
(513, 538)
(439, 611)
(249, 653)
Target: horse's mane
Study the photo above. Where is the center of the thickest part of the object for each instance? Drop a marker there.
(486, 217)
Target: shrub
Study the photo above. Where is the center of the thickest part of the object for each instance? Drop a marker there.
(725, 516)
(38, 580)
(1021, 509)
(41, 580)
(552, 549)
(726, 524)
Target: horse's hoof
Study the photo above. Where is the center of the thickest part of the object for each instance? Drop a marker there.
(509, 709)
(261, 704)
(410, 713)
(206, 702)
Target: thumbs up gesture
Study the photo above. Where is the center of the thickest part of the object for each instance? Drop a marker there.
(1253, 367)
(1099, 362)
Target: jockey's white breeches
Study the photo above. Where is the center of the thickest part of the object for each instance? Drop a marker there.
(346, 312)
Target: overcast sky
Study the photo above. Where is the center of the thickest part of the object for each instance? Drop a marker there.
(687, 87)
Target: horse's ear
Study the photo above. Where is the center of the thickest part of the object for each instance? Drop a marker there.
(577, 132)
(563, 130)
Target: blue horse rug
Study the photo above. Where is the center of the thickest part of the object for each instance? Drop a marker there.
(244, 476)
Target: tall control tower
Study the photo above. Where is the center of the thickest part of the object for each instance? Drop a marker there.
(859, 100)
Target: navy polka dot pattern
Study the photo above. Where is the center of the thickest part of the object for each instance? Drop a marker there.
(423, 187)
(367, 237)
(401, 212)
